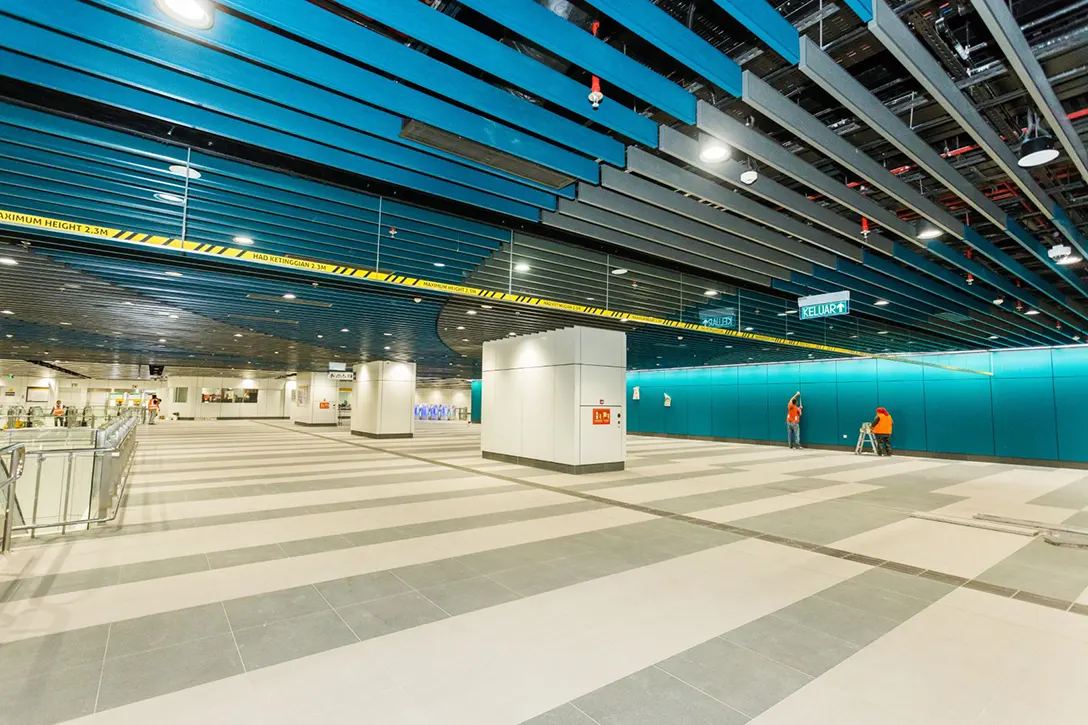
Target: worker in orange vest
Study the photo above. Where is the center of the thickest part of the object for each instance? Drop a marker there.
(882, 430)
(793, 421)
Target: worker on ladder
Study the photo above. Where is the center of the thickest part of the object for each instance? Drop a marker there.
(882, 431)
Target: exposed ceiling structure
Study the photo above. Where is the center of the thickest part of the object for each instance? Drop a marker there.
(264, 183)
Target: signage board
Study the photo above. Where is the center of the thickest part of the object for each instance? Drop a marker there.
(602, 416)
(724, 318)
(831, 304)
(339, 366)
(341, 375)
(323, 405)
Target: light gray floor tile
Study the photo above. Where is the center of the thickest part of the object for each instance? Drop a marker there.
(563, 715)
(904, 499)
(40, 586)
(290, 639)
(653, 697)
(743, 679)
(392, 614)
(162, 630)
(468, 595)
(157, 672)
(882, 602)
(305, 547)
(27, 657)
(163, 567)
(913, 586)
(1072, 496)
(361, 588)
(50, 696)
(838, 620)
(434, 573)
(804, 649)
(274, 606)
(824, 522)
(540, 577)
(248, 555)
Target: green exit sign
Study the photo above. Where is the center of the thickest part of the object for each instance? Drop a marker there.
(831, 304)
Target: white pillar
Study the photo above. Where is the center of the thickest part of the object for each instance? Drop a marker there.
(315, 400)
(384, 399)
(556, 400)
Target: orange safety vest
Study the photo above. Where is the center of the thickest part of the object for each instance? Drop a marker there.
(153, 406)
(793, 414)
(883, 426)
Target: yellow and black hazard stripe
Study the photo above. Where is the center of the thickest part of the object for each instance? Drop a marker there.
(310, 265)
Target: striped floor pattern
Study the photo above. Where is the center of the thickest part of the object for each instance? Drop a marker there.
(264, 572)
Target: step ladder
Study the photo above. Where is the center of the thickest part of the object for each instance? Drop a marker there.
(865, 435)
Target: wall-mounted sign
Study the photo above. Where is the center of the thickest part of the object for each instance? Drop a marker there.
(324, 405)
(668, 401)
(339, 366)
(9, 393)
(602, 416)
(724, 318)
(831, 304)
(636, 393)
(345, 375)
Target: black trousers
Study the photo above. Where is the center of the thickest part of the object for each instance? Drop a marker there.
(883, 445)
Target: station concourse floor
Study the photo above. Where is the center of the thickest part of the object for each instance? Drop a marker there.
(266, 573)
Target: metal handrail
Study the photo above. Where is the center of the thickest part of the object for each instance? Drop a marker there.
(16, 454)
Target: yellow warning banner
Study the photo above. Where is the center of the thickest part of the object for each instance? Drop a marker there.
(310, 265)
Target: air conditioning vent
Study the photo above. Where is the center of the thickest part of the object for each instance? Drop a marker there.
(953, 317)
(451, 143)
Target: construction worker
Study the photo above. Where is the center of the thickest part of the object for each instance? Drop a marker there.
(882, 432)
(793, 420)
(152, 410)
(58, 415)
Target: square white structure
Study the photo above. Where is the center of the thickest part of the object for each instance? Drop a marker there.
(315, 400)
(385, 394)
(556, 400)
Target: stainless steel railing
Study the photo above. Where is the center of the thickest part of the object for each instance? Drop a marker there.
(12, 461)
(73, 487)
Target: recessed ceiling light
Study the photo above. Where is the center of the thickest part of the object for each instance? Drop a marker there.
(169, 198)
(173, 317)
(512, 334)
(993, 337)
(246, 241)
(1032, 312)
(417, 300)
(66, 323)
(387, 334)
(237, 334)
(180, 170)
(388, 348)
(881, 303)
(164, 313)
(882, 332)
(194, 13)
(162, 339)
(440, 264)
(748, 329)
(344, 329)
(485, 307)
(320, 337)
(470, 312)
(173, 274)
(999, 300)
(589, 299)
(460, 327)
(711, 293)
(619, 270)
(522, 267)
(679, 337)
(288, 296)
(8, 262)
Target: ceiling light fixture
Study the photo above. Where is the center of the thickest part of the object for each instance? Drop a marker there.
(881, 303)
(710, 293)
(522, 267)
(440, 264)
(999, 300)
(993, 337)
(1071, 259)
(485, 307)
(66, 323)
(470, 312)
(1032, 312)
(169, 198)
(460, 327)
(179, 170)
(173, 274)
(713, 151)
(344, 329)
(245, 241)
(162, 339)
(388, 348)
(925, 229)
(1037, 152)
(8, 262)
(194, 13)
(882, 332)
(173, 317)
(619, 270)
(289, 296)
(749, 329)
(387, 334)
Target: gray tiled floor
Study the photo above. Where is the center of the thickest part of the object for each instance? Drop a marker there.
(654, 697)
(290, 639)
(162, 630)
(391, 614)
(804, 649)
(469, 595)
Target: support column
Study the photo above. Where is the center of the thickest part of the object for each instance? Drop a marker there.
(315, 400)
(556, 400)
(385, 394)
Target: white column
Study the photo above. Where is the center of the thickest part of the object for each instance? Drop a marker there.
(315, 400)
(384, 399)
(556, 400)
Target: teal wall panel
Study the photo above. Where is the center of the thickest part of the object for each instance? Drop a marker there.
(475, 415)
(1069, 414)
(1016, 400)
(723, 400)
(1029, 408)
(959, 416)
(905, 400)
(820, 418)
